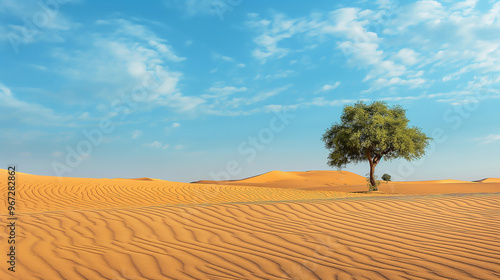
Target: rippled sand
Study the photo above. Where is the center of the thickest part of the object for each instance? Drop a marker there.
(79, 228)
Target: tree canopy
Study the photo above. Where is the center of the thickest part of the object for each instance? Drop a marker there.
(370, 132)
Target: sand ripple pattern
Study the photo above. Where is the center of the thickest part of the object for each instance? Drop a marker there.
(398, 237)
(44, 193)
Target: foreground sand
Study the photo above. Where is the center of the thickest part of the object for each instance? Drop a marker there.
(151, 229)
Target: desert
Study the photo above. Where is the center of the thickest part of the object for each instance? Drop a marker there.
(310, 225)
(244, 140)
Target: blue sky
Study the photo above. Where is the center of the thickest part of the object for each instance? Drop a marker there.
(189, 90)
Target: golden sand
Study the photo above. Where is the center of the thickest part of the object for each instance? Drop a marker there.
(78, 228)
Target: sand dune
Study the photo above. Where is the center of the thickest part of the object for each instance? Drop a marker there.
(142, 179)
(489, 180)
(446, 181)
(297, 180)
(45, 193)
(272, 176)
(78, 228)
(344, 181)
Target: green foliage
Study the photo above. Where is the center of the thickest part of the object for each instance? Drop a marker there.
(386, 177)
(370, 132)
(376, 128)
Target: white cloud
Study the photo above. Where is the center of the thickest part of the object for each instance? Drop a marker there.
(362, 47)
(346, 25)
(41, 22)
(117, 58)
(454, 76)
(456, 34)
(317, 102)
(394, 42)
(328, 87)
(181, 102)
(18, 110)
(410, 83)
(238, 105)
(420, 12)
(157, 145)
(202, 7)
(84, 116)
(38, 67)
(176, 125)
(415, 74)
(403, 98)
(479, 89)
(152, 44)
(120, 60)
(488, 139)
(265, 95)
(222, 91)
(280, 74)
(222, 57)
(136, 134)
(271, 33)
(465, 7)
(408, 56)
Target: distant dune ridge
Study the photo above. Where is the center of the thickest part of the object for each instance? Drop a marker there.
(143, 179)
(306, 226)
(489, 180)
(345, 181)
(297, 179)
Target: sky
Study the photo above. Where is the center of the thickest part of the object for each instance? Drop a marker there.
(227, 89)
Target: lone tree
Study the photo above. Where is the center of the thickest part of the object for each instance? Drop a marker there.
(370, 132)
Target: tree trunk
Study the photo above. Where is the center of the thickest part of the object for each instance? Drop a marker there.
(372, 177)
(373, 163)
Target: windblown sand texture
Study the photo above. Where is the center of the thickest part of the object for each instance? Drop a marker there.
(77, 228)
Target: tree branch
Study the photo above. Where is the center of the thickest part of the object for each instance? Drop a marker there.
(388, 150)
(369, 156)
(377, 158)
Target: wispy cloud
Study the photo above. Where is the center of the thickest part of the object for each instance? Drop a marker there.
(119, 60)
(271, 33)
(488, 139)
(157, 145)
(329, 87)
(280, 74)
(400, 51)
(195, 7)
(16, 110)
(222, 91)
(136, 134)
(222, 57)
(348, 27)
(41, 21)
